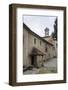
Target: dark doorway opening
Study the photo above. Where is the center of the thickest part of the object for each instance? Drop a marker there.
(34, 60)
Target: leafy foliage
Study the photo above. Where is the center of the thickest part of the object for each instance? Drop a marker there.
(54, 34)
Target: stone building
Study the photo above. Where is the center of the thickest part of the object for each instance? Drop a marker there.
(51, 40)
(36, 50)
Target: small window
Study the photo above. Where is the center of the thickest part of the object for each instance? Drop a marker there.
(46, 49)
(53, 48)
(40, 42)
(34, 40)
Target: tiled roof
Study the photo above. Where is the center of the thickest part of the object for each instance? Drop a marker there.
(36, 52)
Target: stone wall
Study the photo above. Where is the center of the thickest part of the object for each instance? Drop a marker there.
(40, 44)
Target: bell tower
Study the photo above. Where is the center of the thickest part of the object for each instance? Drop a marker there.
(46, 31)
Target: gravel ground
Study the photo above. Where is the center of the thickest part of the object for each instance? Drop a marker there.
(49, 66)
(51, 63)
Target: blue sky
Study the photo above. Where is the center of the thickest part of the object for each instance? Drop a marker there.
(39, 23)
